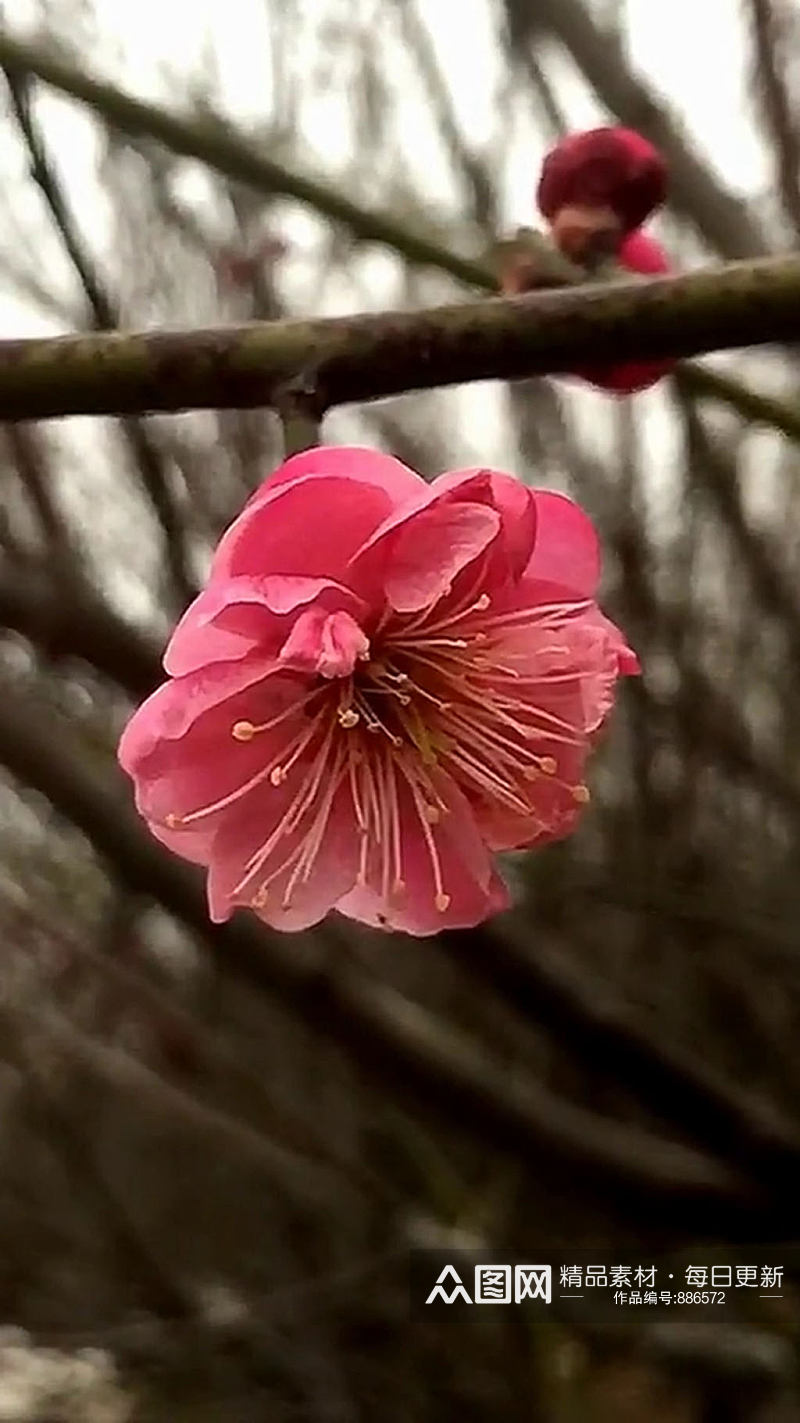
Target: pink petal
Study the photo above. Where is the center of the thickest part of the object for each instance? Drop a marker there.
(355, 462)
(234, 615)
(334, 871)
(328, 644)
(584, 656)
(177, 776)
(432, 547)
(310, 526)
(512, 499)
(311, 522)
(474, 889)
(566, 551)
(169, 712)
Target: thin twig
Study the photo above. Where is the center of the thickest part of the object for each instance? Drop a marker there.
(773, 91)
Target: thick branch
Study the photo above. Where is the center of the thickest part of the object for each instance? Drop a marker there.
(360, 358)
(222, 150)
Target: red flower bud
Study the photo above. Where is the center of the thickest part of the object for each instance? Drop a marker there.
(642, 254)
(586, 235)
(604, 168)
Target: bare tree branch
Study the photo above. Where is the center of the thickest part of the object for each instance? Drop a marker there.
(80, 626)
(547, 985)
(344, 359)
(26, 448)
(222, 150)
(779, 117)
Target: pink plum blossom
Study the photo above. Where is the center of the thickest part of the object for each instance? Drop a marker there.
(384, 682)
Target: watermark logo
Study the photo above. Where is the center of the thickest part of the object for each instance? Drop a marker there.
(493, 1285)
(734, 1284)
(457, 1292)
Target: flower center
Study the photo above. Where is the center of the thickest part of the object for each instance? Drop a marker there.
(441, 696)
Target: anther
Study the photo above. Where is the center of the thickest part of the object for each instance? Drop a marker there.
(243, 731)
(348, 718)
(581, 794)
(442, 902)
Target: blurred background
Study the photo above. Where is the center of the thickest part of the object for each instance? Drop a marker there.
(218, 1146)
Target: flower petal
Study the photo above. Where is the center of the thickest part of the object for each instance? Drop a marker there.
(355, 462)
(176, 777)
(514, 502)
(566, 551)
(328, 644)
(235, 615)
(322, 504)
(333, 870)
(432, 548)
(171, 710)
(473, 888)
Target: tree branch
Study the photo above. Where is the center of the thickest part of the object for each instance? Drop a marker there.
(580, 1009)
(359, 358)
(772, 88)
(225, 152)
(67, 1139)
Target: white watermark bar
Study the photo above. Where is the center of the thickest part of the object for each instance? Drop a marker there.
(745, 1285)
